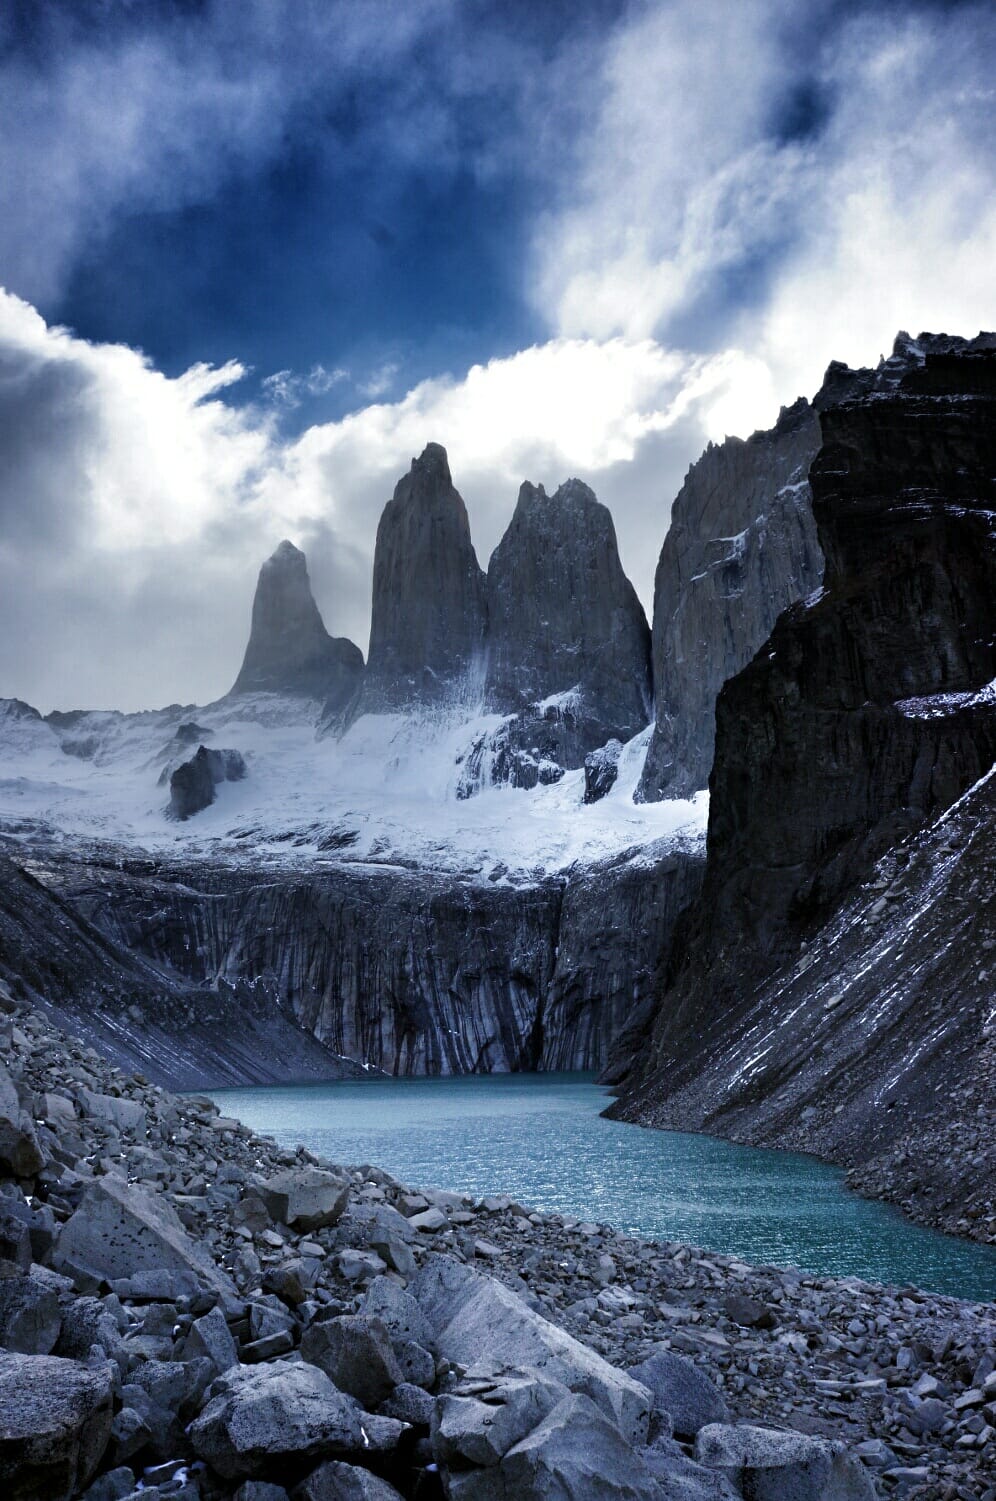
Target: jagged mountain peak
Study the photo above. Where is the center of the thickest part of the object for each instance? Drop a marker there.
(428, 617)
(289, 649)
(562, 615)
(285, 552)
(433, 464)
(573, 502)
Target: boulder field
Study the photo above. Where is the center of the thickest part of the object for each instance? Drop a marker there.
(190, 1310)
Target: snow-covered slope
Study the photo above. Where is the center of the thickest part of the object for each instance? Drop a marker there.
(385, 793)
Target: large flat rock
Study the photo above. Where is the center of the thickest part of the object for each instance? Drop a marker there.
(480, 1323)
(119, 1230)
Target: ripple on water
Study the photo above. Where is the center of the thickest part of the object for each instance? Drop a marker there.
(541, 1139)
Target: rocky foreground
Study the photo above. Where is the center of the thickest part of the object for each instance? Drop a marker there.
(189, 1310)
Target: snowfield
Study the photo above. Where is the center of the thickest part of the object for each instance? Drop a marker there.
(384, 793)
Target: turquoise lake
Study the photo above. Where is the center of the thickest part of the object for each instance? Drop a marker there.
(540, 1138)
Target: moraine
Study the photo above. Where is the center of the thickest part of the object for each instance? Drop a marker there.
(541, 1140)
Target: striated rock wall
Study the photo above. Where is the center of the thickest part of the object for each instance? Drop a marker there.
(409, 972)
(140, 1013)
(616, 928)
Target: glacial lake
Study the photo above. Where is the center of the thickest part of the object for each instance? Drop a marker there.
(540, 1139)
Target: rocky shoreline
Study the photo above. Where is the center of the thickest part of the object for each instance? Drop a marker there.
(189, 1309)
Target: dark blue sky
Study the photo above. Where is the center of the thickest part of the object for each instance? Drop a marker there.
(383, 216)
(381, 223)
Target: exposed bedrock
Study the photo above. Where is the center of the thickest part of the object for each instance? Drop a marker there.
(192, 785)
(289, 649)
(141, 1014)
(563, 617)
(868, 712)
(740, 548)
(410, 972)
(428, 622)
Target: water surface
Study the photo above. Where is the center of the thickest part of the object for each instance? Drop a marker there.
(540, 1138)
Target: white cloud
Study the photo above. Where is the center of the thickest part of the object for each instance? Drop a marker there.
(884, 217)
(132, 534)
(286, 388)
(380, 381)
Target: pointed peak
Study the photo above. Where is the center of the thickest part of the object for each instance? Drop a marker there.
(576, 490)
(432, 461)
(286, 561)
(529, 492)
(285, 549)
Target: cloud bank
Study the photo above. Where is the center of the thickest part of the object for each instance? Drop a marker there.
(731, 196)
(135, 509)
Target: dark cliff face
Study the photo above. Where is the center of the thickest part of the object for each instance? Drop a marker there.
(142, 1014)
(741, 547)
(867, 713)
(562, 615)
(822, 761)
(408, 972)
(429, 612)
(289, 650)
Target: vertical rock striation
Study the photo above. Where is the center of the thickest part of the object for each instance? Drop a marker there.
(289, 650)
(409, 972)
(428, 622)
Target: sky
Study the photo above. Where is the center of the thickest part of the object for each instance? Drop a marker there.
(255, 254)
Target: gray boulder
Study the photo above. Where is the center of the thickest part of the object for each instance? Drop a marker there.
(15, 1236)
(680, 1389)
(191, 786)
(210, 1338)
(289, 649)
(113, 1485)
(355, 1353)
(30, 1316)
(479, 1323)
(306, 1198)
(336, 1481)
(409, 1404)
(55, 1420)
(771, 1465)
(415, 1363)
(85, 1323)
(20, 1154)
(428, 620)
(262, 1414)
(399, 1311)
(480, 1420)
(126, 1115)
(575, 1454)
(681, 1479)
(119, 1230)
